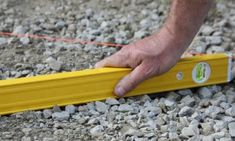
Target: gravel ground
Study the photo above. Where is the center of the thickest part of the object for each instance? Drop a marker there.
(206, 113)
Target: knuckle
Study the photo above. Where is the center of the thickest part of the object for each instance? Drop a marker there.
(151, 70)
(123, 55)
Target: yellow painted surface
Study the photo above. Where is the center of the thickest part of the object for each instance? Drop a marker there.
(97, 84)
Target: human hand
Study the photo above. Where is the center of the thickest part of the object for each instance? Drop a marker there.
(147, 57)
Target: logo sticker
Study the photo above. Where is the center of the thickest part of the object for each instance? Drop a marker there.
(201, 72)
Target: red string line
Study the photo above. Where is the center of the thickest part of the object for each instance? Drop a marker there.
(70, 40)
(58, 39)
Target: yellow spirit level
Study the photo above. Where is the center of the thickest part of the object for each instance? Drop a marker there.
(45, 91)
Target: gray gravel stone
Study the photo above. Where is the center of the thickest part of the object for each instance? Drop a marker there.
(224, 105)
(101, 106)
(3, 41)
(125, 108)
(215, 49)
(71, 109)
(112, 101)
(97, 130)
(230, 94)
(198, 116)
(218, 135)
(174, 136)
(207, 128)
(133, 132)
(204, 93)
(140, 34)
(188, 101)
(64, 115)
(186, 111)
(207, 138)
(214, 40)
(173, 96)
(226, 139)
(185, 92)
(201, 48)
(190, 131)
(231, 111)
(56, 108)
(169, 103)
(231, 127)
(115, 21)
(195, 138)
(47, 113)
(60, 24)
(213, 111)
(219, 125)
(25, 138)
(54, 64)
(24, 40)
(228, 119)
(207, 30)
(20, 30)
(153, 110)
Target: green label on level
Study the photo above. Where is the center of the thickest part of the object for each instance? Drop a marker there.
(201, 72)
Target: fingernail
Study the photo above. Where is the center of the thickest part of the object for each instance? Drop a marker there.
(119, 91)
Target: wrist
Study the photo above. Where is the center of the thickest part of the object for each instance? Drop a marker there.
(171, 42)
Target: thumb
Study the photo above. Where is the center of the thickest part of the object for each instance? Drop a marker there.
(132, 80)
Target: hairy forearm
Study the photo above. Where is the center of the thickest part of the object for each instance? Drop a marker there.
(184, 21)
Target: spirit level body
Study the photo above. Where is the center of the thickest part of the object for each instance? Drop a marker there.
(61, 89)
